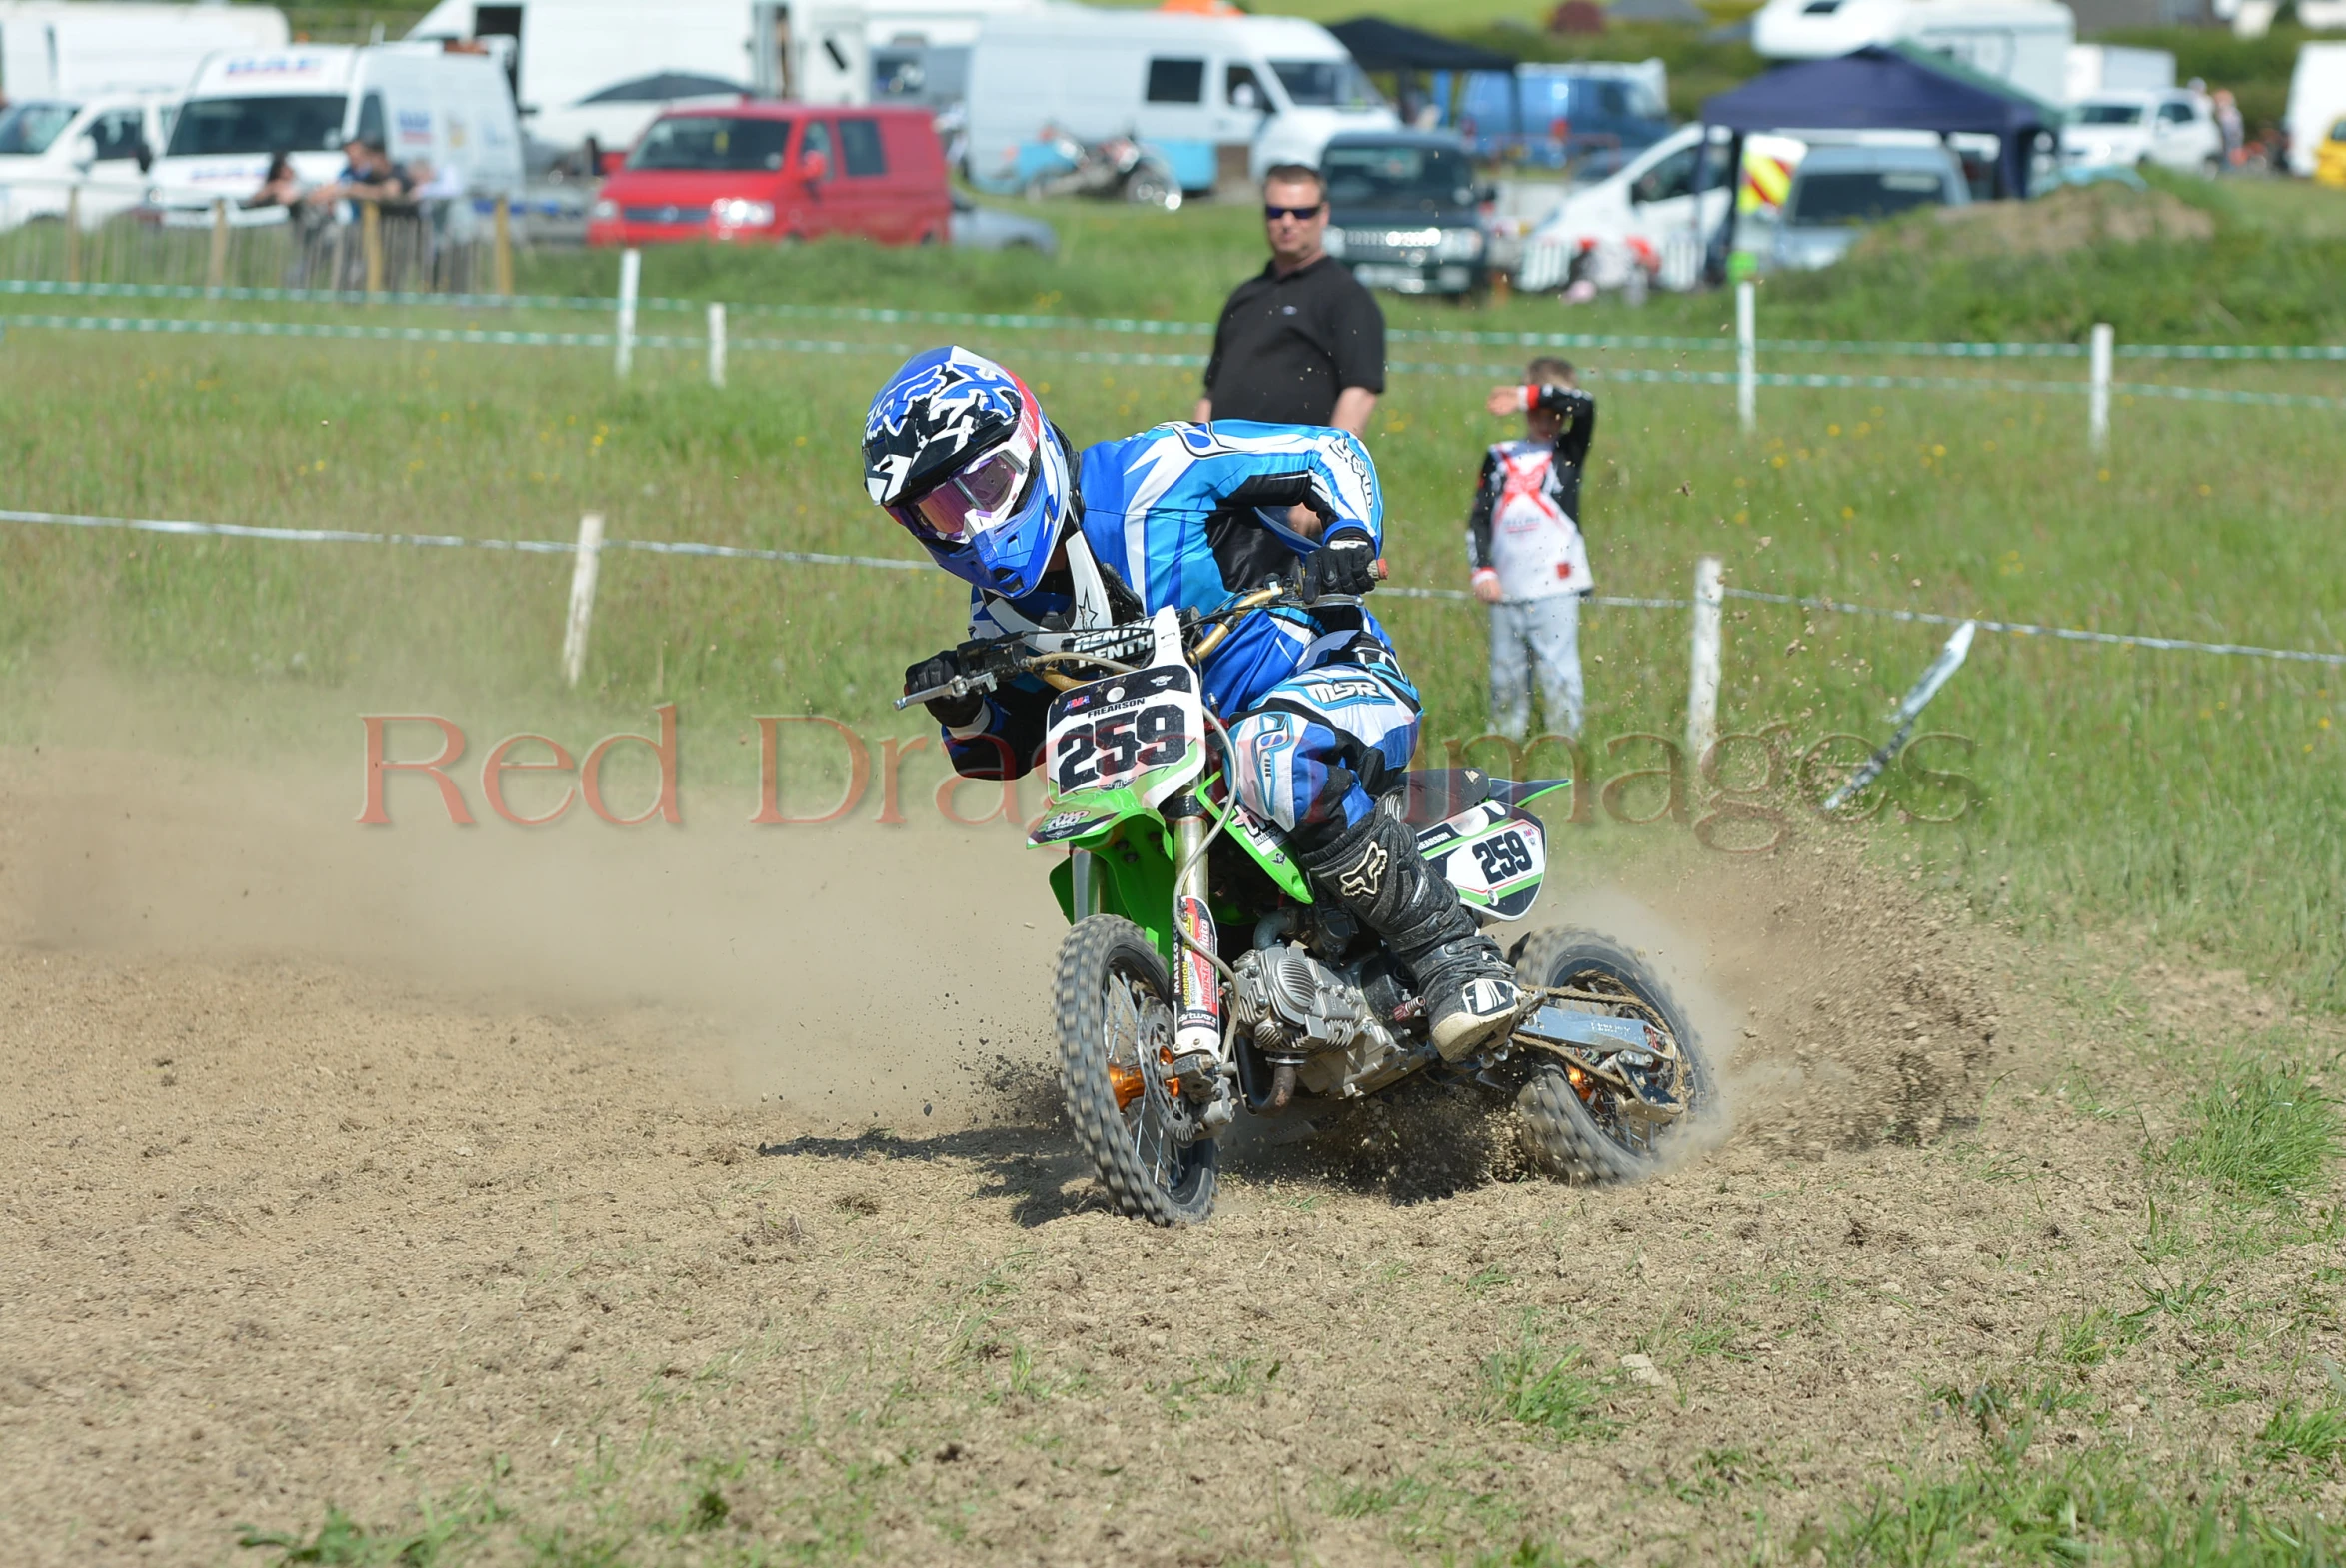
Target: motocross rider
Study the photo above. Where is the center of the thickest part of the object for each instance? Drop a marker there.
(958, 450)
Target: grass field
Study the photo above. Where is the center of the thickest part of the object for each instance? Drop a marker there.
(2199, 795)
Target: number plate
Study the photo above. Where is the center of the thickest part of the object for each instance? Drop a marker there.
(1495, 858)
(1143, 734)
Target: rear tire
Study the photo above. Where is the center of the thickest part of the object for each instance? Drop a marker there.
(1582, 1138)
(1112, 1008)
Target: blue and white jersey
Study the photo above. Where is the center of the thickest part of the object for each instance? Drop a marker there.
(1192, 516)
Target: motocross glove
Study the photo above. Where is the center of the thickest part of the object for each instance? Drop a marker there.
(1345, 564)
(936, 670)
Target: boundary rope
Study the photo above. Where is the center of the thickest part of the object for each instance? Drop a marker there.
(549, 547)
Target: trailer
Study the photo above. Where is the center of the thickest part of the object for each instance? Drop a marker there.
(2023, 42)
(55, 50)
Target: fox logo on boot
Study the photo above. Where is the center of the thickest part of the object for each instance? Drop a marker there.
(1364, 880)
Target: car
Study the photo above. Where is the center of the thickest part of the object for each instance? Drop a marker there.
(977, 228)
(49, 147)
(2329, 159)
(1406, 210)
(773, 172)
(1840, 191)
(2173, 129)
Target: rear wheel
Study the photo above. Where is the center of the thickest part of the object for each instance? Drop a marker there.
(1116, 1031)
(1578, 1126)
(1151, 186)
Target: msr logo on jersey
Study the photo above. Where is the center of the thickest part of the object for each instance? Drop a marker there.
(1343, 690)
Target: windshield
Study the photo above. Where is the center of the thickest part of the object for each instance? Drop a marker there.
(220, 127)
(28, 129)
(711, 142)
(1327, 84)
(1863, 195)
(1397, 177)
(2110, 114)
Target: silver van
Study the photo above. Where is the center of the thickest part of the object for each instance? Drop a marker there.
(1841, 191)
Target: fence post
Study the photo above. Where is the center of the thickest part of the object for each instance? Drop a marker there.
(1746, 356)
(73, 235)
(630, 275)
(505, 247)
(582, 597)
(2097, 399)
(216, 272)
(371, 243)
(1702, 686)
(716, 344)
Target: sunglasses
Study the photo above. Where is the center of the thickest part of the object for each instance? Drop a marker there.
(1273, 214)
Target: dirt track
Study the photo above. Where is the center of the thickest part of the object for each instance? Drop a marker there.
(354, 1171)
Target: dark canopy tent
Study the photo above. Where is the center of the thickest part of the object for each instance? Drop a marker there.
(1883, 88)
(1380, 45)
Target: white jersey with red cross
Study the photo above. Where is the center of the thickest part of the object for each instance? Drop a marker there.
(1535, 546)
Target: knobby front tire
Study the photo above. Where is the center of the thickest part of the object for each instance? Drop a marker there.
(1114, 1014)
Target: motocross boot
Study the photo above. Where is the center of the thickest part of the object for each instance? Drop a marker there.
(1376, 871)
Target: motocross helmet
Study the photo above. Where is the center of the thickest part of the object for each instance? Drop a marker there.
(957, 449)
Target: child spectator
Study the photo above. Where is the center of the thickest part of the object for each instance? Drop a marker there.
(1530, 563)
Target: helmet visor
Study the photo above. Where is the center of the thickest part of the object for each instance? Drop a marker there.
(971, 502)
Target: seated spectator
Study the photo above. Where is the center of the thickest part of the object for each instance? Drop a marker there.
(280, 187)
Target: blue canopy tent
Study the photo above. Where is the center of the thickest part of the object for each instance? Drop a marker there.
(1882, 88)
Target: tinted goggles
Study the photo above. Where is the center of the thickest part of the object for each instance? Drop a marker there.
(971, 502)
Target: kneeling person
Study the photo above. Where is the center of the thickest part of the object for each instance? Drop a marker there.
(958, 450)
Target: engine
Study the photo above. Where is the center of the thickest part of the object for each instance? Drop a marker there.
(1294, 1005)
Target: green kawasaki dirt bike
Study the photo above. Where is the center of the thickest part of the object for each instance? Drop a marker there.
(1202, 977)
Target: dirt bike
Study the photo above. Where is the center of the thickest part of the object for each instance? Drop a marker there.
(1202, 977)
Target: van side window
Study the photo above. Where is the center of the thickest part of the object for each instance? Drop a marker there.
(2175, 113)
(859, 151)
(817, 140)
(371, 125)
(1242, 90)
(118, 134)
(1177, 81)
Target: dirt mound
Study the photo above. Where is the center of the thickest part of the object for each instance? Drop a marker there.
(2075, 218)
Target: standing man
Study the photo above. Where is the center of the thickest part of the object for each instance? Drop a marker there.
(1301, 342)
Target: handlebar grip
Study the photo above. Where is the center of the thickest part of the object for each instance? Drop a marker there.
(1382, 571)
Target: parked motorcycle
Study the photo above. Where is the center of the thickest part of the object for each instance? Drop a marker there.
(1119, 169)
(1202, 977)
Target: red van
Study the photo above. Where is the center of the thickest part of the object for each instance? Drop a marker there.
(779, 171)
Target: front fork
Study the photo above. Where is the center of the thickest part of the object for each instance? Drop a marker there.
(1197, 1003)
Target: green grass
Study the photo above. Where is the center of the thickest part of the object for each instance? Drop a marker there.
(1547, 1389)
(2263, 1133)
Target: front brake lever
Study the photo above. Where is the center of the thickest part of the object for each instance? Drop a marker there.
(959, 685)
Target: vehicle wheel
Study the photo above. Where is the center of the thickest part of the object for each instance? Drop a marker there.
(1113, 1012)
(1574, 1123)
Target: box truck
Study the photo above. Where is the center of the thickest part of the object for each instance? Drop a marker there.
(77, 51)
(2023, 42)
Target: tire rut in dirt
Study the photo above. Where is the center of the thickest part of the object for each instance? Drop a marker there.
(1563, 1134)
(1101, 964)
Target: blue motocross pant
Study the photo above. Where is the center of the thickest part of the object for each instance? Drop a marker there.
(1314, 751)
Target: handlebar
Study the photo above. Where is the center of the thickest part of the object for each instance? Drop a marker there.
(995, 658)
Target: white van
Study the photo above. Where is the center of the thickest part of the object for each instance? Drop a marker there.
(2023, 42)
(50, 148)
(1199, 90)
(451, 110)
(605, 69)
(2317, 101)
(78, 50)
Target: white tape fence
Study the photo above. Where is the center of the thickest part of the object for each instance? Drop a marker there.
(1708, 589)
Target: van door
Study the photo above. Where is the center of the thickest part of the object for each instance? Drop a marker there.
(864, 198)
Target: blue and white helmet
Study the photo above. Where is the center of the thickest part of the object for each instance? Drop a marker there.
(957, 449)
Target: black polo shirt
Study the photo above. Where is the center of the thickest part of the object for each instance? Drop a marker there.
(1286, 347)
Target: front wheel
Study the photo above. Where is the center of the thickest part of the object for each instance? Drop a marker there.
(1113, 1012)
(1579, 1126)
